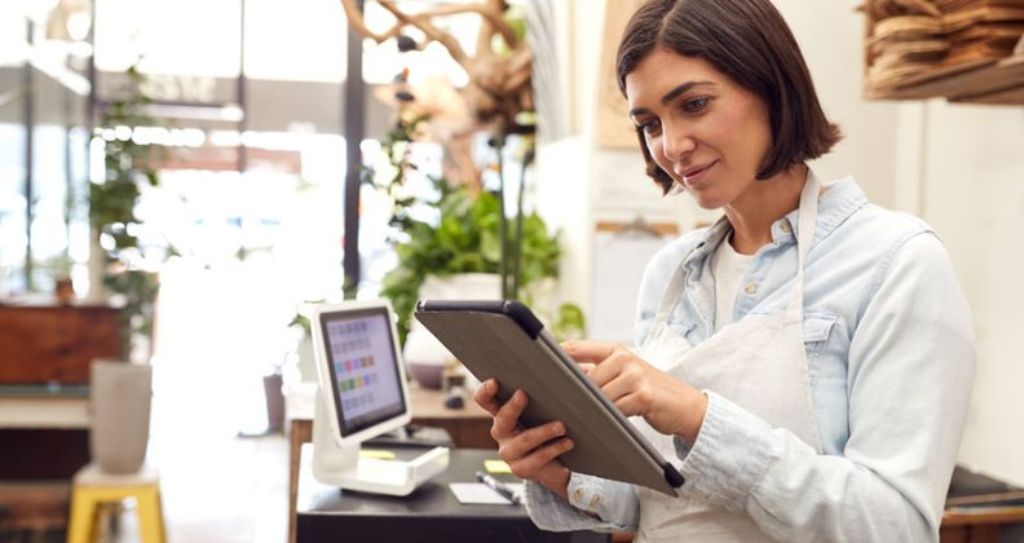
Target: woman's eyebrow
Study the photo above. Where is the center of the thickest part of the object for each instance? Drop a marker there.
(671, 95)
(681, 89)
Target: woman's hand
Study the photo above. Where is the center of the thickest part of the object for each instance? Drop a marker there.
(670, 406)
(530, 453)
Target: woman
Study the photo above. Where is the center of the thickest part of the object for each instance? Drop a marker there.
(806, 361)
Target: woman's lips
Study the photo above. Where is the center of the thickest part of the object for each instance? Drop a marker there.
(694, 178)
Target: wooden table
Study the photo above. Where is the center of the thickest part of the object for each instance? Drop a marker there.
(469, 427)
(982, 527)
(45, 354)
(44, 431)
(44, 344)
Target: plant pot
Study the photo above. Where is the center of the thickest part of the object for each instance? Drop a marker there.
(272, 391)
(425, 356)
(120, 398)
(97, 266)
(64, 290)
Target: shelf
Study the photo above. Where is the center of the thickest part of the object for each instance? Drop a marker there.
(967, 51)
(989, 81)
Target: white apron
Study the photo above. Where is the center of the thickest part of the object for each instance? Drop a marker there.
(759, 363)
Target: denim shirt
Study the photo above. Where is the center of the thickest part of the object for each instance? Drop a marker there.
(890, 346)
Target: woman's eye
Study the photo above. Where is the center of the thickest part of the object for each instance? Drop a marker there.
(650, 127)
(696, 105)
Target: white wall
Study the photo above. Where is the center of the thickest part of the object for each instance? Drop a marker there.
(830, 34)
(972, 192)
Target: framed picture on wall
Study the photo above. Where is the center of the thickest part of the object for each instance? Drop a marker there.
(613, 126)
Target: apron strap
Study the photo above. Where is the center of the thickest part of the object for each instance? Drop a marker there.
(808, 218)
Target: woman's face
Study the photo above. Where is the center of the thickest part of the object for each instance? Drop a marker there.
(707, 133)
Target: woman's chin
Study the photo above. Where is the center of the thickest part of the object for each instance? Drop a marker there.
(708, 201)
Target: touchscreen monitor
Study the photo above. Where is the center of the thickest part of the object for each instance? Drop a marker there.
(364, 367)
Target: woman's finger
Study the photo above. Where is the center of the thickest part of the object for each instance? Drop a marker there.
(622, 385)
(530, 466)
(507, 417)
(528, 440)
(590, 351)
(634, 404)
(485, 396)
(610, 368)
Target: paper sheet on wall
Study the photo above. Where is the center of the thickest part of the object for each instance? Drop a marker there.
(619, 263)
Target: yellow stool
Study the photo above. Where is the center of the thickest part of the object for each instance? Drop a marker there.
(91, 487)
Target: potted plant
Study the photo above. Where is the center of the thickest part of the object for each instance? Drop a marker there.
(60, 269)
(460, 256)
(124, 261)
(472, 233)
(121, 390)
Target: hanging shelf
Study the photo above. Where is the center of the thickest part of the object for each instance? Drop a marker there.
(968, 51)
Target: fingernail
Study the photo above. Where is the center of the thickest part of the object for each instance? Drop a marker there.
(567, 444)
(559, 428)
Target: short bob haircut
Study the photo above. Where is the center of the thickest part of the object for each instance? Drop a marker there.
(748, 41)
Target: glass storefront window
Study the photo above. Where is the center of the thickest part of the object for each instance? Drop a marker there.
(13, 45)
(278, 34)
(13, 238)
(187, 37)
(13, 214)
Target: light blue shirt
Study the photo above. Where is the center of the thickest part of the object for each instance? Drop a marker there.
(890, 346)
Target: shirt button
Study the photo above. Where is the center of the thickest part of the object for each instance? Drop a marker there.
(751, 288)
(785, 227)
(578, 495)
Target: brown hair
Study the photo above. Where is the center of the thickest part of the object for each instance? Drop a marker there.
(748, 41)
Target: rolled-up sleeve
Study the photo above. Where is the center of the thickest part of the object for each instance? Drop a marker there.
(612, 505)
(911, 363)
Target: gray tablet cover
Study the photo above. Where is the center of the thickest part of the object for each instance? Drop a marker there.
(494, 345)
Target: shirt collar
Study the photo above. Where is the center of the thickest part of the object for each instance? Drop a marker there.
(841, 199)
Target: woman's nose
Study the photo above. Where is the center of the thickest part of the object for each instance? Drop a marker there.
(678, 143)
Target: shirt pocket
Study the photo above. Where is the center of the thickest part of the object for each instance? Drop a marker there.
(817, 331)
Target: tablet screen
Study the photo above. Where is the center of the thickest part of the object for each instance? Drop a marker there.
(364, 368)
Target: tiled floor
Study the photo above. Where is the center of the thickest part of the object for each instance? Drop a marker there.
(235, 491)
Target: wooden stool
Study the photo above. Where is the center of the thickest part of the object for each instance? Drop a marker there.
(92, 487)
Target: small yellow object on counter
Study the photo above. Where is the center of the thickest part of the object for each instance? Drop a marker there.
(496, 466)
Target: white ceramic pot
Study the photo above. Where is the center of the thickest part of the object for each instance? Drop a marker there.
(120, 398)
(425, 356)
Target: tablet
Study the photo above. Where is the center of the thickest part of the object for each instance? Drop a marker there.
(504, 340)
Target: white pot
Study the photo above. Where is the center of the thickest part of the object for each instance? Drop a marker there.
(425, 356)
(462, 286)
(120, 398)
(97, 269)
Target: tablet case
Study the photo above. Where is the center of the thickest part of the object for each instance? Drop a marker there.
(505, 341)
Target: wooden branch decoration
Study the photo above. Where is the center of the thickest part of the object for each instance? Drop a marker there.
(499, 84)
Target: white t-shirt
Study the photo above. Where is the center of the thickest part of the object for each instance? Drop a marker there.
(728, 268)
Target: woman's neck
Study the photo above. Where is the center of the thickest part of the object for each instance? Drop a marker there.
(753, 213)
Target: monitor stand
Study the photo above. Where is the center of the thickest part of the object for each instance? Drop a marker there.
(342, 466)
